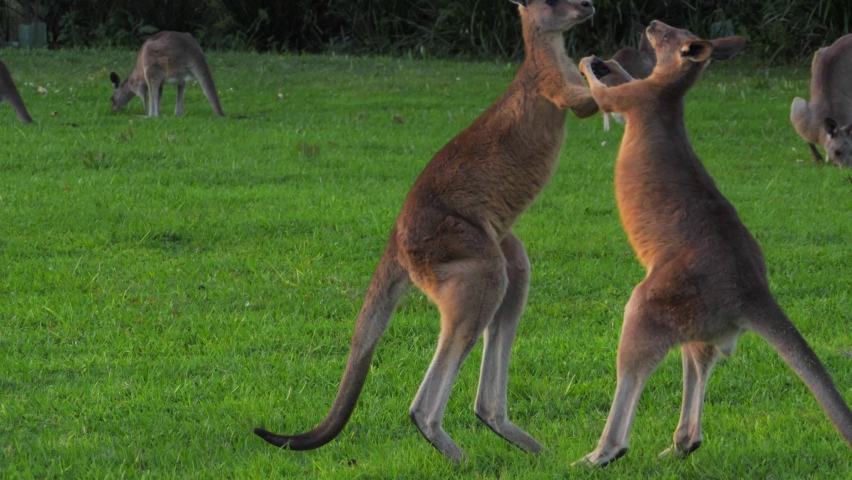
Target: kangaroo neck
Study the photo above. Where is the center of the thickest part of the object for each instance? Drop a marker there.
(656, 147)
(542, 49)
(657, 120)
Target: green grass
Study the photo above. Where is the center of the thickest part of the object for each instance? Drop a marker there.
(168, 284)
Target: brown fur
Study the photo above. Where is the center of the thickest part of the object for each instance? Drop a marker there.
(9, 94)
(166, 57)
(638, 62)
(453, 239)
(827, 118)
(706, 278)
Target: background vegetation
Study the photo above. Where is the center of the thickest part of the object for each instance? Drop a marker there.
(778, 30)
(168, 284)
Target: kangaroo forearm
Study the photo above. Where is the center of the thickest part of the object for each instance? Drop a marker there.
(586, 109)
(569, 96)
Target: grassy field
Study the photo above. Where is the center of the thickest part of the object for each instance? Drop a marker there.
(168, 284)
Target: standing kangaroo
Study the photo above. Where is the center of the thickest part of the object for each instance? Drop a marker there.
(453, 239)
(9, 94)
(166, 57)
(706, 277)
(831, 104)
(638, 62)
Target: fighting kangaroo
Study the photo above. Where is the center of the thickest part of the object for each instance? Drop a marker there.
(166, 57)
(638, 62)
(706, 278)
(453, 239)
(9, 94)
(827, 119)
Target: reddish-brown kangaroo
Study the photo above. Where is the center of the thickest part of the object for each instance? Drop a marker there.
(167, 57)
(706, 278)
(9, 94)
(827, 118)
(453, 239)
(638, 62)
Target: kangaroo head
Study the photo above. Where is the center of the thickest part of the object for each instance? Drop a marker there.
(838, 143)
(680, 53)
(121, 93)
(556, 15)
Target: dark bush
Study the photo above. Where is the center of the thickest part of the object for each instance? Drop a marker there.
(778, 30)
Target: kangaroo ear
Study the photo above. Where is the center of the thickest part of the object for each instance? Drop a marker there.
(697, 50)
(113, 77)
(522, 3)
(725, 48)
(830, 127)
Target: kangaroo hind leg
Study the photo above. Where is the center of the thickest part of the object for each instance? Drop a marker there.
(698, 362)
(468, 294)
(643, 345)
(499, 335)
(181, 90)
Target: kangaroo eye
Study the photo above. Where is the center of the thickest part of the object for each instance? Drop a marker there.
(551, 2)
(666, 36)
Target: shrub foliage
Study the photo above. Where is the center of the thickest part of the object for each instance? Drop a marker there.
(778, 30)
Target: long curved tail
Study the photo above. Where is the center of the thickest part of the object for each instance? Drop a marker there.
(772, 325)
(13, 98)
(201, 71)
(389, 283)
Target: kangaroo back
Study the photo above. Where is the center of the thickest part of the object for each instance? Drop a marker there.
(638, 62)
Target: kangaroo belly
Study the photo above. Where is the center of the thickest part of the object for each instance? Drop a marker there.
(179, 79)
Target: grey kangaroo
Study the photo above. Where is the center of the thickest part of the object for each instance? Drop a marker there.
(166, 57)
(638, 62)
(827, 118)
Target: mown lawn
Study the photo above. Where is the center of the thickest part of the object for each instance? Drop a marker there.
(168, 284)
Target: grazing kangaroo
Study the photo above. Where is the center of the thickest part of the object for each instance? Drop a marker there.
(638, 62)
(706, 277)
(453, 239)
(9, 94)
(166, 57)
(827, 119)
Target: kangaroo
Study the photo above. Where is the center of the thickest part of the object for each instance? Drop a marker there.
(638, 62)
(166, 57)
(9, 94)
(706, 278)
(453, 239)
(831, 104)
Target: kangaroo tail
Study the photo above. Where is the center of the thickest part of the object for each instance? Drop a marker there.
(772, 325)
(201, 71)
(388, 284)
(13, 98)
(17, 104)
